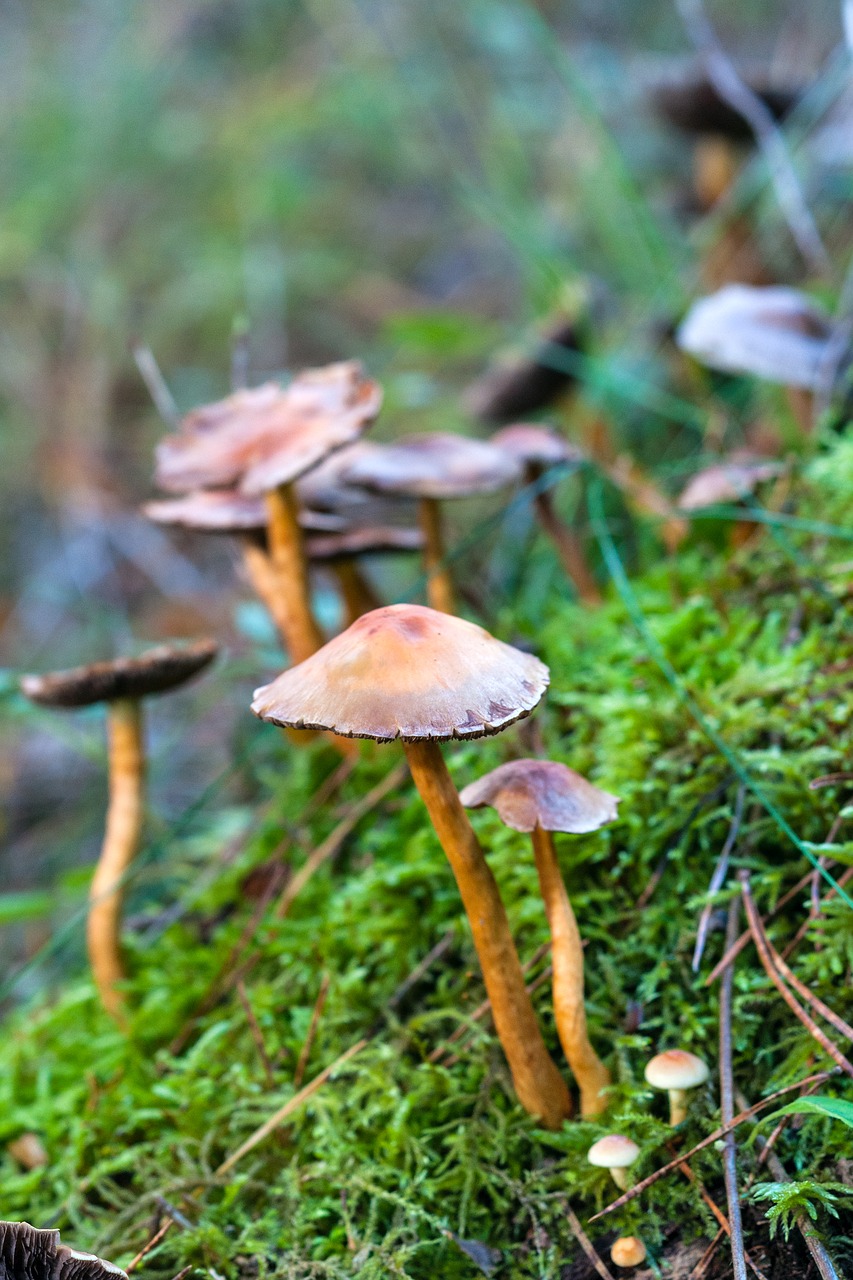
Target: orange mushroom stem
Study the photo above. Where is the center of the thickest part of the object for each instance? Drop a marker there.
(301, 629)
(439, 586)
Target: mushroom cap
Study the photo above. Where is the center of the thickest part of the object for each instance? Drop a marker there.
(439, 465)
(614, 1151)
(370, 540)
(267, 436)
(27, 1253)
(524, 383)
(227, 511)
(676, 1069)
(406, 671)
(544, 793)
(772, 332)
(693, 104)
(627, 1251)
(728, 481)
(154, 671)
(534, 445)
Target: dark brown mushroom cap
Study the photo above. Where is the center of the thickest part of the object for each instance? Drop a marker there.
(370, 540)
(227, 511)
(530, 793)
(266, 436)
(406, 671)
(533, 445)
(27, 1253)
(728, 481)
(693, 104)
(154, 671)
(523, 384)
(439, 465)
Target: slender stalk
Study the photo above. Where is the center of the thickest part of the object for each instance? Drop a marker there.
(567, 544)
(540, 1087)
(439, 588)
(727, 1102)
(287, 551)
(357, 592)
(567, 954)
(120, 846)
(264, 580)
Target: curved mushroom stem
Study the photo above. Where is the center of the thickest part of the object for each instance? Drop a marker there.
(287, 552)
(120, 846)
(677, 1106)
(567, 957)
(568, 545)
(540, 1087)
(620, 1177)
(357, 592)
(439, 588)
(264, 580)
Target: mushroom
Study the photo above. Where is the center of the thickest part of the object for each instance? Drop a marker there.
(409, 672)
(615, 1153)
(676, 1070)
(627, 1251)
(542, 796)
(122, 684)
(263, 440)
(730, 481)
(433, 468)
(27, 1253)
(341, 552)
(524, 382)
(536, 448)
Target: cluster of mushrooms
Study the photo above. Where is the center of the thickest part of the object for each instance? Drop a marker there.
(288, 474)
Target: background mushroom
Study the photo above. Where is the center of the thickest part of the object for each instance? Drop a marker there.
(541, 796)
(122, 684)
(342, 552)
(434, 468)
(627, 1251)
(615, 1153)
(412, 673)
(677, 1071)
(27, 1253)
(731, 481)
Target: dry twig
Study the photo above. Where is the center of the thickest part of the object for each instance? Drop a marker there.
(718, 878)
(586, 1244)
(727, 1105)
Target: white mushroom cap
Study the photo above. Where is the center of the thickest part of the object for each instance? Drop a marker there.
(676, 1069)
(627, 1251)
(613, 1152)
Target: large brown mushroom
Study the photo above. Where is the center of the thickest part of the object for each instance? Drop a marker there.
(412, 673)
(433, 468)
(122, 684)
(26, 1253)
(540, 797)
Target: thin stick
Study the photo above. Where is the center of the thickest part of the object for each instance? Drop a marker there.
(760, 939)
(718, 878)
(725, 1225)
(257, 1034)
(152, 1244)
(818, 1078)
(312, 1031)
(727, 1106)
(816, 1003)
(586, 1244)
(158, 389)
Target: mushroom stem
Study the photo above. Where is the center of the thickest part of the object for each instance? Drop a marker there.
(567, 957)
(568, 544)
(677, 1106)
(540, 1088)
(358, 594)
(120, 846)
(302, 634)
(439, 588)
(620, 1177)
(264, 580)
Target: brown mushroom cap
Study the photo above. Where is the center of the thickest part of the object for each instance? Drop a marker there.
(533, 445)
(544, 793)
(728, 481)
(525, 383)
(154, 671)
(27, 1253)
(370, 540)
(440, 465)
(406, 671)
(613, 1151)
(266, 436)
(227, 511)
(693, 104)
(676, 1069)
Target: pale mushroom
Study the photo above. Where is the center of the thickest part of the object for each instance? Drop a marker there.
(615, 1153)
(677, 1071)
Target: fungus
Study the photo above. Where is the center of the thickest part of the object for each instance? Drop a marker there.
(523, 383)
(539, 797)
(433, 468)
(616, 1154)
(122, 684)
(27, 1253)
(409, 672)
(341, 551)
(677, 1071)
(731, 481)
(627, 1251)
(537, 448)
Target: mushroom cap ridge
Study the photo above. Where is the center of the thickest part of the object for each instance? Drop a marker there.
(154, 671)
(406, 671)
(544, 793)
(28, 1253)
(676, 1069)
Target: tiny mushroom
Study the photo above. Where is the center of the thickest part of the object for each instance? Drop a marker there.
(122, 684)
(408, 672)
(677, 1071)
(616, 1153)
(26, 1253)
(627, 1251)
(733, 480)
(433, 468)
(540, 797)
(537, 448)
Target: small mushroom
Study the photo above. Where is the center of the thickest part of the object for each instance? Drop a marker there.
(730, 481)
(615, 1153)
(433, 468)
(525, 382)
(539, 797)
(424, 677)
(677, 1071)
(27, 1253)
(536, 448)
(122, 684)
(627, 1251)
